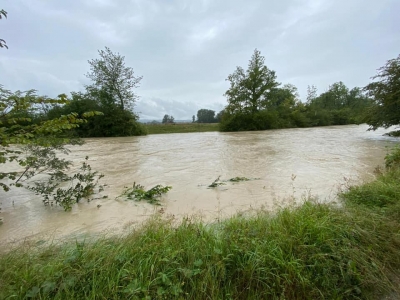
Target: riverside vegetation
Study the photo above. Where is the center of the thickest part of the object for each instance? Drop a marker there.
(181, 127)
(313, 251)
(255, 101)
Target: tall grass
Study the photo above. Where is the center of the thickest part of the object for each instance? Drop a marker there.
(314, 251)
(383, 194)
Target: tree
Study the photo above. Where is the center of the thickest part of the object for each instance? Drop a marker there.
(110, 74)
(249, 90)
(193, 119)
(110, 93)
(385, 94)
(337, 106)
(114, 121)
(311, 93)
(205, 116)
(168, 119)
(219, 116)
(39, 142)
(3, 13)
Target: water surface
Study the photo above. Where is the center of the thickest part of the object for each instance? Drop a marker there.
(287, 163)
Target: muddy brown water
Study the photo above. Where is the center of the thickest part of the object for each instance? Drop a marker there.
(288, 163)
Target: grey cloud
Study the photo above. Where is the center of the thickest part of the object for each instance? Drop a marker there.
(185, 49)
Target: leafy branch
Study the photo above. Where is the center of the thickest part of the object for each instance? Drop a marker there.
(82, 185)
(137, 192)
(3, 13)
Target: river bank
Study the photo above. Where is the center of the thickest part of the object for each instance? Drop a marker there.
(311, 251)
(181, 128)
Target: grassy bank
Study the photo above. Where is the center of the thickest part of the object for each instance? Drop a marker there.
(315, 251)
(181, 127)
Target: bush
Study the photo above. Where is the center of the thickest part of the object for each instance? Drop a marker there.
(114, 122)
(260, 120)
(299, 119)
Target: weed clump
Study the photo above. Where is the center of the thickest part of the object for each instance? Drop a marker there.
(238, 179)
(138, 193)
(217, 182)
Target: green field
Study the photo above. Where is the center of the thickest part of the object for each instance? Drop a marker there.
(314, 251)
(181, 127)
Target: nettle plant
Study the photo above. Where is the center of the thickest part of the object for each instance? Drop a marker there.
(35, 144)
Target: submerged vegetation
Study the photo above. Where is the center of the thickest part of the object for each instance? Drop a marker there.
(41, 141)
(238, 179)
(66, 190)
(138, 193)
(218, 181)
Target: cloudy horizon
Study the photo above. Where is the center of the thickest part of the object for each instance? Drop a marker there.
(186, 49)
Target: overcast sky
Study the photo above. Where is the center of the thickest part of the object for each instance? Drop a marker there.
(185, 49)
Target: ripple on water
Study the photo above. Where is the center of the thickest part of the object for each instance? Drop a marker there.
(289, 162)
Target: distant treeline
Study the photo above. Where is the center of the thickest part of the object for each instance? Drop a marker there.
(281, 108)
(255, 101)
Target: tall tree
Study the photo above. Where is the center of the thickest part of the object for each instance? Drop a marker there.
(385, 93)
(167, 119)
(110, 74)
(311, 93)
(249, 90)
(205, 116)
(219, 115)
(3, 13)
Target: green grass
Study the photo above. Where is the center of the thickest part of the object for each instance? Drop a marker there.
(181, 128)
(314, 251)
(382, 195)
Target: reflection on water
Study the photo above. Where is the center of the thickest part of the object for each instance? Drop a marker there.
(287, 162)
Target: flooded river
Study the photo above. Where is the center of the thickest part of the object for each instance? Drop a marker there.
(286, 163)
